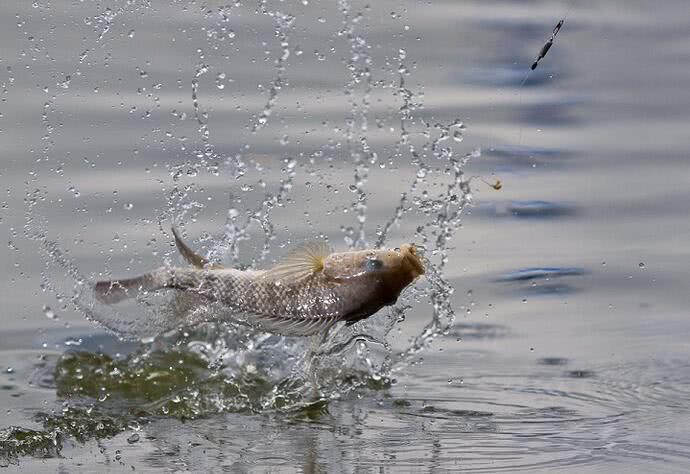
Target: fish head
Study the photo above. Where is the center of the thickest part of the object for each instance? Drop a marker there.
(382, 270)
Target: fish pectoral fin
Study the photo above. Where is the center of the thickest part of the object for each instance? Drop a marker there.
(190, 256)
(302, 262)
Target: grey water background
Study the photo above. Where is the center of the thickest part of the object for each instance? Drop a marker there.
(574, 354)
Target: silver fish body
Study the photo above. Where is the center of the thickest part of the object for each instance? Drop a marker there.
(307, 293)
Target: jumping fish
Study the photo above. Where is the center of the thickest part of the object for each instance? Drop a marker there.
(308, 292)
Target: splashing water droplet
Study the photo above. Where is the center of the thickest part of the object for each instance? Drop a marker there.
(49, 313)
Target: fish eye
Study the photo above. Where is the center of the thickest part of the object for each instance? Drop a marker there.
(373, 264)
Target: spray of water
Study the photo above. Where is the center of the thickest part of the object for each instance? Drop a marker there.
(426, 158)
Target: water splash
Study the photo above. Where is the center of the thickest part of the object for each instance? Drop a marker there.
(283, 23)
(437, 192)
(360, 151)
(103, 22)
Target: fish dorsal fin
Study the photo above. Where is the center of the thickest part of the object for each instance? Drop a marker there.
(303, 261)
(190, 256)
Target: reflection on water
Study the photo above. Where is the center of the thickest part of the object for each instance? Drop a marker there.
(255, 128)
(538, 273)
(527, 210)
(522, 158)
(478, 331)
(542, 281)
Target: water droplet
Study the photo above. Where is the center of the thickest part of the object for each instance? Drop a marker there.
(220, 77)
(129, 206)
(50, 314)
(73, 342)
(65, 83)
(131, 33)
(133, 439)
(641, 265)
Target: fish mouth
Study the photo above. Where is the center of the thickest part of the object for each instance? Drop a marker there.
(411, 258)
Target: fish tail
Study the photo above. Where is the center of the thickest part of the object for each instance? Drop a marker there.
(114, 291)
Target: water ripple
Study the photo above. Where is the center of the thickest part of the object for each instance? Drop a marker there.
(527, 209)
(540, 273)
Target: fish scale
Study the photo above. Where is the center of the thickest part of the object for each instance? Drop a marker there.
(310, 291)
(311, 305)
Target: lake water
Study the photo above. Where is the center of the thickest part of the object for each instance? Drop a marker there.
(568, 350)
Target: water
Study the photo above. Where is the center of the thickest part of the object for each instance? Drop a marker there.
(569, 346)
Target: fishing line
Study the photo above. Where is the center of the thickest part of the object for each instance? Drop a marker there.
(537, 60)
(498, 184)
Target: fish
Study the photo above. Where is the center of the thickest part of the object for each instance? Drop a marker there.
(306, 293)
